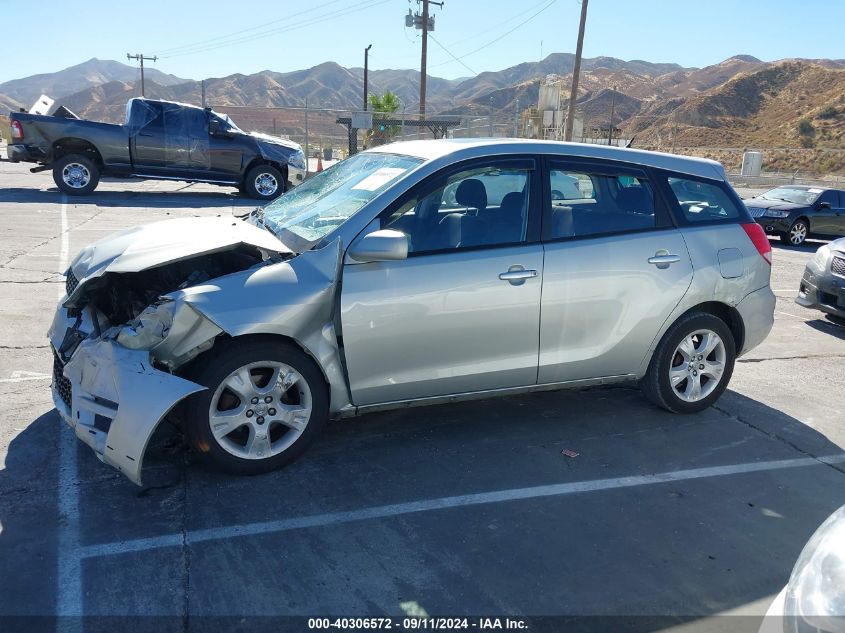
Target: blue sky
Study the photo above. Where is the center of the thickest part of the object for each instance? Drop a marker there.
(283, 35)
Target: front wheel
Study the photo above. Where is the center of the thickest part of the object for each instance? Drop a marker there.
(797, 233)
(265, 403)
(76, 175)
(692, 364)
(264, 182)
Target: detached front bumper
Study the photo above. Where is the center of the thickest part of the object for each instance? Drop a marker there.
(113, 398)
(825, 292)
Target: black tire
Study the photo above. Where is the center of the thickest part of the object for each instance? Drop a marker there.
(265, 174)
(76, 175)
(796, 232)
(656, 384)
(222, 362)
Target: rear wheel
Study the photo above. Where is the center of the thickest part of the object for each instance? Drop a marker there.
(265, 403)
(264, 182)
(692, 364)
(76, 175)
(797, 233)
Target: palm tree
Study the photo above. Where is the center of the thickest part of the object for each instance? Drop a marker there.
(382, 107)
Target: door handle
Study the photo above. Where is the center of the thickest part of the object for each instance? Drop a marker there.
(517, 277)
(663, 259)
(144, 134)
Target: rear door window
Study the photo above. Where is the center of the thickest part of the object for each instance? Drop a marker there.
(598, 202)
(701, 201)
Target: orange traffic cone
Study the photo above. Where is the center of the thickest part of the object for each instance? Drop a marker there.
(319, 164)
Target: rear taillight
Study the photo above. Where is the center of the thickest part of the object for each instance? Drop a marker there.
(17, 130)
(758, 237)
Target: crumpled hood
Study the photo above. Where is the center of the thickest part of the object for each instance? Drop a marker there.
(147, 246)
(275, 140)
(762, 203)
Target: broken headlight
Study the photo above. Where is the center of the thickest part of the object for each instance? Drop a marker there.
(149, 328)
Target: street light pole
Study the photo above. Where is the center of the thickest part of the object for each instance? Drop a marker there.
(366, 63)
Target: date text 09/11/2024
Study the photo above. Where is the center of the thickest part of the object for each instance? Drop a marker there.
(417, 623)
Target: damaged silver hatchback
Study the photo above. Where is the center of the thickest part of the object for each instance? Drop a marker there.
(414, 273)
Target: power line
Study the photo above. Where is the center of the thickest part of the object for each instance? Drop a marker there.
(503, 35)
(451, 54)
(175, 49)
(288, 27)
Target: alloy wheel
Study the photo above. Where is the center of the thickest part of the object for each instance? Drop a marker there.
(76, 175)
(697, 365)
(260, 410)
(266, 184)
(798, 233)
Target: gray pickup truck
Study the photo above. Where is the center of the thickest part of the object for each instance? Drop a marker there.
(160, 140)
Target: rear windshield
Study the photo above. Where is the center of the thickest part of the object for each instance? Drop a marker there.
(703, 202)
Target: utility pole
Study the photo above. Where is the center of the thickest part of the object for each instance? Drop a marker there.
(366, 63)
(425, 23)
(140, 58)
(307, 158)
(423, 70)
(516, 117)
(202, 90)
(573, 96)
(612, 105)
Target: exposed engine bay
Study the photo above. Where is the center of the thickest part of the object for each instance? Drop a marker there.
(122, 297)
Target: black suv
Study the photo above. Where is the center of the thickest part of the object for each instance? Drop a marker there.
(796, 212)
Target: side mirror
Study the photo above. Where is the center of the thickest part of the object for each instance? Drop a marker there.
(386, 245)
(214, 129)
(823, 205)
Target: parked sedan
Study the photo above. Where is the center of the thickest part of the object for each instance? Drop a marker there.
(796, 212)
(411, 274)
(823, 284)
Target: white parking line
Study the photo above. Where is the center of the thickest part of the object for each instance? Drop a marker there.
(443, 503)
(69, 563)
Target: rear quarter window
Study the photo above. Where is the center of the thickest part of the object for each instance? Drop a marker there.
(701, 201)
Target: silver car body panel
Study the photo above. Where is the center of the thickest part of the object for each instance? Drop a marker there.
(603, 301)
(294, 299)
(466, 333)
(462, 327)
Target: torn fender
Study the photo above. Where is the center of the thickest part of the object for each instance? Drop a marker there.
(113, 383)
(295, 298)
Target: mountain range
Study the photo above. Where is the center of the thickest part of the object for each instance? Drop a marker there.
(740, 102)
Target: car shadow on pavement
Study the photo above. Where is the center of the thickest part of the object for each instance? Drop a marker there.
(107, 198)
(828, 327)
(684, 549)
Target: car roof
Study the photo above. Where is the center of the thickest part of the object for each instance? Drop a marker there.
(459, 149)
(806, 187)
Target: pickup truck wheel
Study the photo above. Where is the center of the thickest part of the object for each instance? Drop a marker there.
(264, 405)
(76, 175)
(264, 182)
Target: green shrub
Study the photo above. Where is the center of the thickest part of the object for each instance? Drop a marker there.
(829, 113)
(805, 128)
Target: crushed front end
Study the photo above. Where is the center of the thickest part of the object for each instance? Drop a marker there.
(118, 339)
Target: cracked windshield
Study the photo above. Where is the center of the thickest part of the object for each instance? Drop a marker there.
(327, 200)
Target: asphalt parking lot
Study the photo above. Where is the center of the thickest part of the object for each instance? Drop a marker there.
(463, 509)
